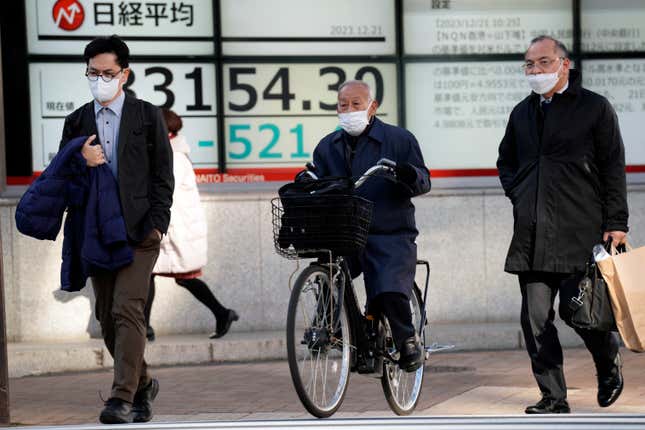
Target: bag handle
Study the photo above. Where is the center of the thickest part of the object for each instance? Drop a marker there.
(620, 249)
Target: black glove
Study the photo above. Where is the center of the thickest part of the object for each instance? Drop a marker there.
(303, 176)
(406, 173)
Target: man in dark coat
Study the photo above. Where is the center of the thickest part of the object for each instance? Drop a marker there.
(388, 261)
(130, 136)
(562, 165)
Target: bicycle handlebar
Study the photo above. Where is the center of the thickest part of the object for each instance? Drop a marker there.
(384, 164)
(387, 162)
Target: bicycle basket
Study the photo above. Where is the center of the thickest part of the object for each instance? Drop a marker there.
(309, 225)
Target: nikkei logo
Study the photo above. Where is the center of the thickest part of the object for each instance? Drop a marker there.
(68, 14)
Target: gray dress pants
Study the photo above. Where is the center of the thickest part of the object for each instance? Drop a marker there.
(539, 290)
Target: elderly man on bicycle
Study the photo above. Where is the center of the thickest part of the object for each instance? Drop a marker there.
(388, 262)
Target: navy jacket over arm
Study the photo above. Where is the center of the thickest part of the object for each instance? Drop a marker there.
(95, 233)
(40, 211)
(388, 261)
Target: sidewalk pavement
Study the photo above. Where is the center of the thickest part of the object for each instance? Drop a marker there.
(457, 383)
(37, 358)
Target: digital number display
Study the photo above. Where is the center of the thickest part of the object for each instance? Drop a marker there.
(618, 25)
(458, 111)
(482, 26)
(623, 83)
(58, 89)
(276, 114)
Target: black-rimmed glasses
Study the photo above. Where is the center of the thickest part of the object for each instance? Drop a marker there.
(105, 76)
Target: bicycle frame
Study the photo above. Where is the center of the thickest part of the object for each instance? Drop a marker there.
(347, 297)
(425, 294)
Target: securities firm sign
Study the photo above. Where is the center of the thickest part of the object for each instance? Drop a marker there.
(154, 27)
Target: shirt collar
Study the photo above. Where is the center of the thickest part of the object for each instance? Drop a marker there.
(560, 91)
(116, 106)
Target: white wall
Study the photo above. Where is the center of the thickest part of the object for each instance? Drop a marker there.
(464, 235)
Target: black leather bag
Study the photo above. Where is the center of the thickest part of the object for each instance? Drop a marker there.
(322, 214)
(591, 309)
(305, 186)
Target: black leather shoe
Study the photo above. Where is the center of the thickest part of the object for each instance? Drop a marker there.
(549, 406)
(224, 324)
(610, 384)
(150, 334)
(411, 355)
(116, 411)
(142, 406)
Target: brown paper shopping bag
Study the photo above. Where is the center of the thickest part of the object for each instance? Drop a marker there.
(624, 274)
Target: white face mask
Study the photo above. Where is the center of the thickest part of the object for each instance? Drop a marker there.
(542, 83)
(354, 123)
(104, 91)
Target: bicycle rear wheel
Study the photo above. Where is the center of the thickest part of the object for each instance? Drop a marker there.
(318, 342)
(402, 389)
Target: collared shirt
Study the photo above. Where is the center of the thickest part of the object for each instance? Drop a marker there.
(108, 121)
(560, 91)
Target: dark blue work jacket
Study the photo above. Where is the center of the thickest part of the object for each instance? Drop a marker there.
(95, 235)
(388, 261)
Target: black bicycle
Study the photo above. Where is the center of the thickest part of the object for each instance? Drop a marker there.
(328, 336)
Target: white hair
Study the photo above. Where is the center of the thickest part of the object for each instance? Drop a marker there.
(359, 83)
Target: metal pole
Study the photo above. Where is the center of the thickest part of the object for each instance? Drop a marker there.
(3, 165)
(4, 371)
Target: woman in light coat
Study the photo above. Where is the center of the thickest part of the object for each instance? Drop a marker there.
(184, 248)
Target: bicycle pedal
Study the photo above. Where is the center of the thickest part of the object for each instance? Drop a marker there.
(435, 347)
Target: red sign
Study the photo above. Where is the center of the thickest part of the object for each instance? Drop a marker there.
(68, 14)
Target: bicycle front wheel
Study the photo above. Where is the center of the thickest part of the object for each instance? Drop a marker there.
(318, 342)
(401, 388)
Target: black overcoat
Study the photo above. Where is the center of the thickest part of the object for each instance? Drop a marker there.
(564, 172)
(388, 261)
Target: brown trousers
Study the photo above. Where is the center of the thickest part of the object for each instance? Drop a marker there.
(120, 299)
